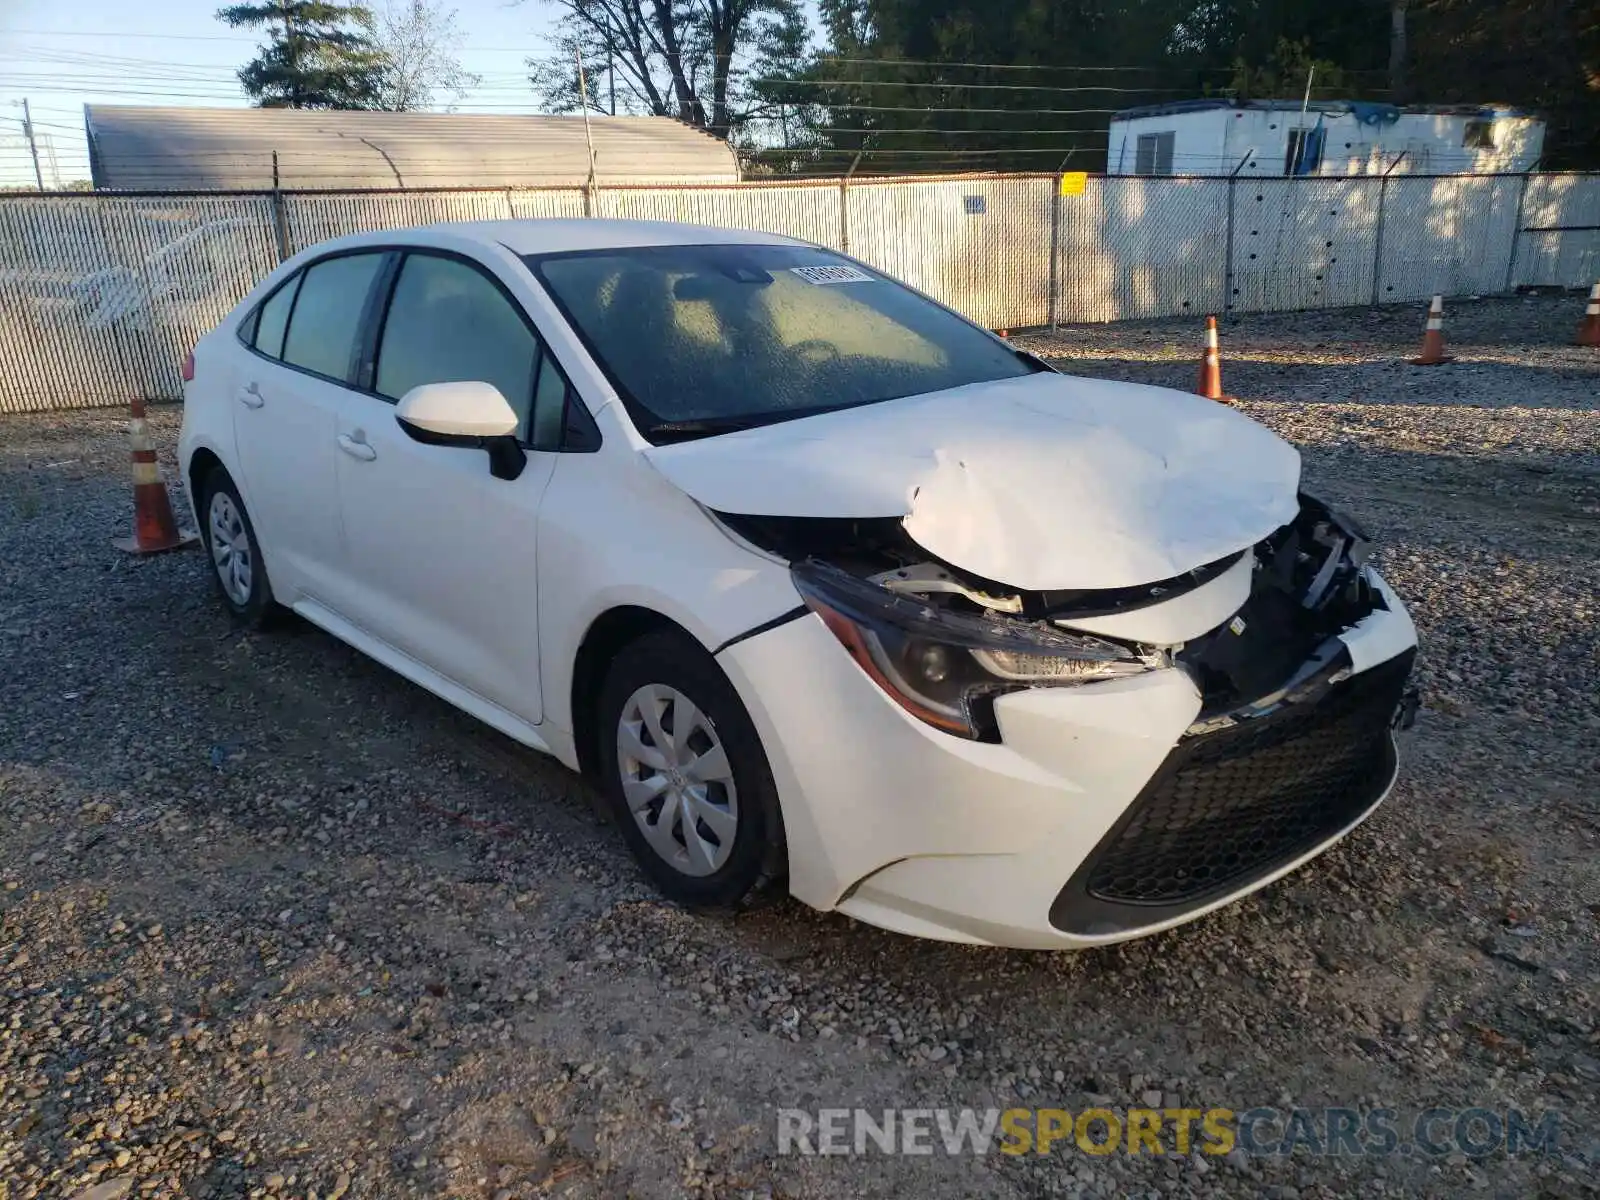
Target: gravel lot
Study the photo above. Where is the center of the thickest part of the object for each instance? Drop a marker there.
(274, 921)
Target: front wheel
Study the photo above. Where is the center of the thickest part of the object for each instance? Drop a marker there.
(687, 778)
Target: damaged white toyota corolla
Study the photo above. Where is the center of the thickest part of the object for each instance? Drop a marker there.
(824, 585)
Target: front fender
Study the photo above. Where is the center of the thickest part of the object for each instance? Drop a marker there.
(614, 533)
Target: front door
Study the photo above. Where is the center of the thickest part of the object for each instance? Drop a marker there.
(442, 553)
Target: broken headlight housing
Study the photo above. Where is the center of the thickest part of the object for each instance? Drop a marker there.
(946, 667)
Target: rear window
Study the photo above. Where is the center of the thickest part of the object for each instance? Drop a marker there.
(273, 318)
(730, 336)
(327, 313)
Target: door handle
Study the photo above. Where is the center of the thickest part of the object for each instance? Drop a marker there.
(355, 449)
(250, 396)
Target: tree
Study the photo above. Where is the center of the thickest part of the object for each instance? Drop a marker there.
(319, 55)
(1540, 55)
(668, 57)
(421, 48)
(1397, 49)
(975, 85)
(1286, 73)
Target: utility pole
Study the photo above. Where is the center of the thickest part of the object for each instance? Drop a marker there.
(33, 143)
(583, 100)
(1302, 132)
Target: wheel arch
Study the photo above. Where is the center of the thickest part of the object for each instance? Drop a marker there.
(202, 462)
(607, 634)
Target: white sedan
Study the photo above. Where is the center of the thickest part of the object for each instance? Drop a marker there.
(827, 588)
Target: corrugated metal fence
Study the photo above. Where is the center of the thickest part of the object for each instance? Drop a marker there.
(101, 295)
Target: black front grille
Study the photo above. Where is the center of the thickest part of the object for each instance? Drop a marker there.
(1230, 806)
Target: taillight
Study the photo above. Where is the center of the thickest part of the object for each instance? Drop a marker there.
(187, 370)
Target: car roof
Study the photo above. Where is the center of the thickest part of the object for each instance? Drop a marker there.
(545, 235)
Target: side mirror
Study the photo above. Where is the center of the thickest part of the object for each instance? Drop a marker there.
(471, 415)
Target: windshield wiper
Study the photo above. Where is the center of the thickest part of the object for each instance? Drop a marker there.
(677, 431)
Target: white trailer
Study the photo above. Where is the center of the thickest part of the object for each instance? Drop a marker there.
(1263, 138)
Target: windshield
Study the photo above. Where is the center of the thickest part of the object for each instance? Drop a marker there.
(703, 339)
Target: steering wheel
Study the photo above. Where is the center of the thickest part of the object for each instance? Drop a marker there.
(816, 346)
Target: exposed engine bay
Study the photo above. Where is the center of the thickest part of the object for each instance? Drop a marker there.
(1310, 584)
(944, 642)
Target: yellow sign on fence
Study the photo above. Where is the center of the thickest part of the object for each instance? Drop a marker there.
(1073, 182)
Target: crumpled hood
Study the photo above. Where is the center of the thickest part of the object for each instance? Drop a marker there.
(1046, 482)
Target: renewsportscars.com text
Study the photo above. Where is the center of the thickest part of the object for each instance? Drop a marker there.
(1475, 1132)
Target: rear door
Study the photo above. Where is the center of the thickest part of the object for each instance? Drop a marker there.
(442, 562)
(287, 396)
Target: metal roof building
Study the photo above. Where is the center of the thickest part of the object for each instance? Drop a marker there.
(192, 149)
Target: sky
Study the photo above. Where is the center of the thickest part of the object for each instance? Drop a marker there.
(61, 54)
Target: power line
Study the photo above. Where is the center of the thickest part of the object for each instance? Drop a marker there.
(935, 152)
(168, 37)
(405, 165)
(1051, 112)
(497, 155)
(38, 124)
(928, 62)
(532, 101)
(412, 175)
(986, 87)
(545, 49)
(77, 129)
(84, 59)
(544, 55)
(522, 85)
(843, 131)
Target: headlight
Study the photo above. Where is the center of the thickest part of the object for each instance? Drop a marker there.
(944, 667)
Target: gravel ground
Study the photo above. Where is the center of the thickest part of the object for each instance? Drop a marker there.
(274, 922)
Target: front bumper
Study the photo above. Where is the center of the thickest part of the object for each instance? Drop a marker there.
(1084, 825)
(1233, 805)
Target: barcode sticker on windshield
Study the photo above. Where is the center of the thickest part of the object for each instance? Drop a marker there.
(832, 274)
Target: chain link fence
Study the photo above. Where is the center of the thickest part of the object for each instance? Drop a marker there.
(1558, 233)
(102, 295)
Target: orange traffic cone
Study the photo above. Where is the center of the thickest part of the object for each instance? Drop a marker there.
(154, 529)
(1589, 327)
(1210, 385)
(1433, 338)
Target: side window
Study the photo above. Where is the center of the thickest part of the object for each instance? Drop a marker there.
(1479, 135)
(327, 314)
(1153, 154)
(448, 323)
(273, 319)
(549, 406)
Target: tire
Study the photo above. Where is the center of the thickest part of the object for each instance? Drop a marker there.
(729, 864)
(222, 512)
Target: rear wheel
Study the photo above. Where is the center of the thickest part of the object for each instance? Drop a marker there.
(687, 778)
(237, 567)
